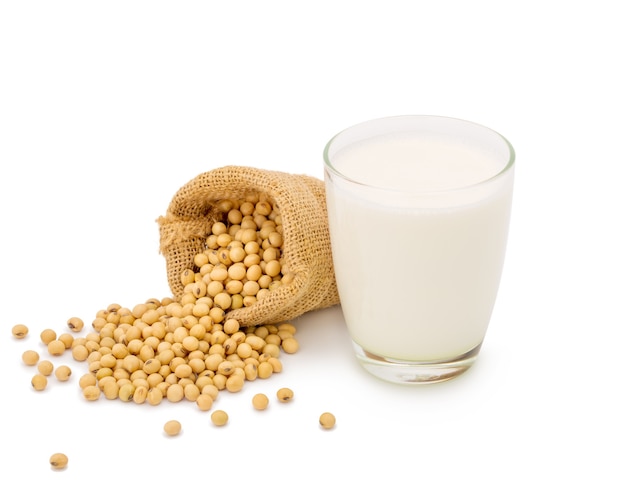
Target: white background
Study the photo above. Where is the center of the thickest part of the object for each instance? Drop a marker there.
(107, 108)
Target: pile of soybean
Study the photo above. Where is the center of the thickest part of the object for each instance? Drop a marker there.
(185, 348)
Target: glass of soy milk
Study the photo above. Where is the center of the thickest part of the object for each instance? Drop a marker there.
(418, 210)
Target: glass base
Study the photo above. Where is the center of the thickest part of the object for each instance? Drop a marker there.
(409, 372)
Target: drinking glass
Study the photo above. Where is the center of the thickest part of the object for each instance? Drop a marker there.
(418, 210)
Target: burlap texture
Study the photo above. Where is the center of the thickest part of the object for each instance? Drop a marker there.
(301, 201)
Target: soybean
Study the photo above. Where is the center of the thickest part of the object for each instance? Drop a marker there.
(58, 461)
(327, 420)
(172, 427)
(219, 418)
(30, 357)
(284, 394)
(126, 392)
(234, 383)
(56, 347)
(110, 389)
(67, 339)
(155, 396)
(204, 402)
(140, 395)
(47, 335)
(88, 379)
(290, 345)
(39, 382)
(19, 331)
(91, 393)
(45, 367)
(260, 401)
(63, 373)
(75, 324)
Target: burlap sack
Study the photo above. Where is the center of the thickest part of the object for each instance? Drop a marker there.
(301, 201)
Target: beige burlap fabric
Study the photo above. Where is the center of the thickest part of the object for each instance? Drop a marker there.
(301, 201)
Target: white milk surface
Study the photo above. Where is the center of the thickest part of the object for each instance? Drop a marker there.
(418, 283)
(426, 163)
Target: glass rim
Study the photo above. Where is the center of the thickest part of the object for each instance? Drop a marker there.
(507, 167)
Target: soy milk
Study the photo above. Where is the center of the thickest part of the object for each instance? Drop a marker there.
(431, 237)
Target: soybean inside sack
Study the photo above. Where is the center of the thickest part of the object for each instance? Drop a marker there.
(306, 251)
